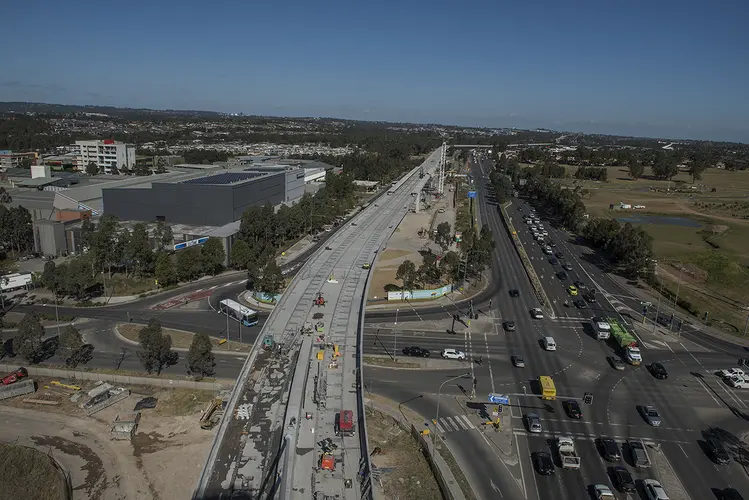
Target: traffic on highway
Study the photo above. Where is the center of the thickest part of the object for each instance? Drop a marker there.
(600, 406)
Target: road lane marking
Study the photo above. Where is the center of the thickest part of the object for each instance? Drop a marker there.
(468, 422)
(522, 474)
(731, 394)
(440, 428)
(452, 424)
(708, 391)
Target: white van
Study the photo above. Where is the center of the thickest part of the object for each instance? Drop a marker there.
(550, 344)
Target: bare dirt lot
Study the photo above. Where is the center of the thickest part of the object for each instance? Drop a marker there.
(406, 473)
(162, 461)
(406, 243)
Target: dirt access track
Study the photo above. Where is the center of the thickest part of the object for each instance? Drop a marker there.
(162, 461)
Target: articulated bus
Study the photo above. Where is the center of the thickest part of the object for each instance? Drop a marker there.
(247, 316)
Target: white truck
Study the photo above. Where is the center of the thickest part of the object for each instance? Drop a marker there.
(14, 281)
(567, 454)
(601, 328)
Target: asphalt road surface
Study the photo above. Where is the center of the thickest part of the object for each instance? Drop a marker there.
(693, 401)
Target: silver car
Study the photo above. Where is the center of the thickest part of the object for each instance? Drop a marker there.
(534, 423)
(651, 415)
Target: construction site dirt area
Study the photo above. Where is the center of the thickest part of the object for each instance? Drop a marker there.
(403, 471)
(161, 460)
(410, 237)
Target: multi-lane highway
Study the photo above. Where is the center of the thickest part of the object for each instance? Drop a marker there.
(692, 401)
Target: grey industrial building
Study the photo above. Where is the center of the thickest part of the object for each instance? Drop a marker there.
(215, 199)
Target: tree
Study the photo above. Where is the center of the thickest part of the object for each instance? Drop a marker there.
(200, 359)
(105, 246)
(70, 343)
(635, 168)
(449, 265)
(271, 280)
(665, 167)
(695, 170)
(92, 168)
(189, 264)
(113, 170)
(213, 255)
(444, 236)
(28, 342)
(240, 254)
(139, 250)
(75, 275)
(165, 274)
(163, 235)
(5, 196)
(157, 351)
(407, 274)
(124, 170)
(428, 272)
(2, 343)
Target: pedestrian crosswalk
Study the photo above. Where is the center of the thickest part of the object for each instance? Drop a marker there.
(454, 424)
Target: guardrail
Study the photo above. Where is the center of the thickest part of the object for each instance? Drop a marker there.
(538, 289)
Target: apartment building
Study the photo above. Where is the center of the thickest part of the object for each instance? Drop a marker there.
(9, 159)
(104, 153)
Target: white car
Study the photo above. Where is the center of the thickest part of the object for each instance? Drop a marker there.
(732, 372)
(550, 344)
(453, 354)
(603, 492)
(654, 490)
(537, 313)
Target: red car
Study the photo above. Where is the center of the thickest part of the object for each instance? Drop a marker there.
(12, 378)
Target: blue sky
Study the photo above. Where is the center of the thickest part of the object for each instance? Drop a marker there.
(665, 68)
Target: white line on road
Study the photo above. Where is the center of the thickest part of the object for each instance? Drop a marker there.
(708, 391)
(522, 473)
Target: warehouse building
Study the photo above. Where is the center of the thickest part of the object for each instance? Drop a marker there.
(213, 199)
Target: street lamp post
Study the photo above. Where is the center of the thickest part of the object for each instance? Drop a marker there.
(395, 335)
(678, 287)
(439, 393)
(658, 308)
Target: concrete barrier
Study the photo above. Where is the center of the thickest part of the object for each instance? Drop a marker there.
(114, 379)
(538, 289)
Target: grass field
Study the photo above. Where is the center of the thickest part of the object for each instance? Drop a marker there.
(28, 473)
(708, 264)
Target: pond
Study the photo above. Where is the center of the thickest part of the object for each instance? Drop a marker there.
(660, 219)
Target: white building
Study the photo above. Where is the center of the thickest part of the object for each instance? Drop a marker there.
(105, 154)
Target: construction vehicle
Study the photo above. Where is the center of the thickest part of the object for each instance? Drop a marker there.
(212, 415)
(327, 462)
(14, 377)
(626, 342)
(344, 423)
(567, 454)
(319, 300)
(268, 342)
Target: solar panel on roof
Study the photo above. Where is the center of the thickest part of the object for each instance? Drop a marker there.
(223, 178)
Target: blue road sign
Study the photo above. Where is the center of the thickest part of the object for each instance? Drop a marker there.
(499, 399)
(471, 194)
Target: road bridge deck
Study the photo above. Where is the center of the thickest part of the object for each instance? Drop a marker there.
(275, 423)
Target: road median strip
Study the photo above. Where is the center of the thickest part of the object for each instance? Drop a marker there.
(181, 340)
(529, 270)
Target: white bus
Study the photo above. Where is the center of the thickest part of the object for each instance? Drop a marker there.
(247, 316)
